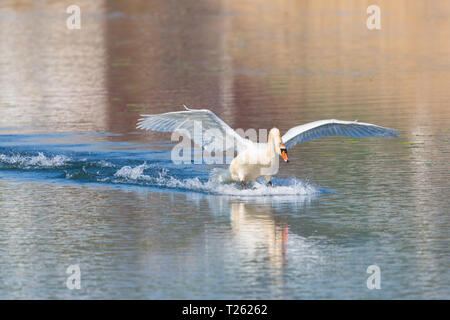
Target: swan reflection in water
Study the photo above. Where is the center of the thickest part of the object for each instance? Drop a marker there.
(261, 237)
(258, 234)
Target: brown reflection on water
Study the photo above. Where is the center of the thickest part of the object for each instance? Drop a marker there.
(275, 63)
(51, 78)
(278, 63)
(163, 54)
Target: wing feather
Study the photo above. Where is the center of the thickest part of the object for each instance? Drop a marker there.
(326, 128)
(186, 120)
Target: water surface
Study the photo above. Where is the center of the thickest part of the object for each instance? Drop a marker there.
(80, 185)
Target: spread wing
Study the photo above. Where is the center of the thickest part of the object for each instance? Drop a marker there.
(202, 126)
(326, 128)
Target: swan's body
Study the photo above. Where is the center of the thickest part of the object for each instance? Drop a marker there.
(258, 160)
(254, 160)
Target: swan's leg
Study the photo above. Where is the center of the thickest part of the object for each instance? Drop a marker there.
(242, 179)
(268, 179)
(270, 183)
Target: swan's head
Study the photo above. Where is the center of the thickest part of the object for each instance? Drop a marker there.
(275, 138)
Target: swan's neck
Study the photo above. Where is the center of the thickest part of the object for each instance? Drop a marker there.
(270, 149)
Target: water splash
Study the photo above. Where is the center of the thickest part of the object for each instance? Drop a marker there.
(153, 174)
(288, 187)
(39, 160)
(130, 173)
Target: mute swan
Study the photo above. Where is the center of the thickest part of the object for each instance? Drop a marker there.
(253, 159)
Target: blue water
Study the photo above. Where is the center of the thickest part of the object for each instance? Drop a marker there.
(140, 226)
(30, 157)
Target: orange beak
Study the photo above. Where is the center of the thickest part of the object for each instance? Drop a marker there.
(284, 155)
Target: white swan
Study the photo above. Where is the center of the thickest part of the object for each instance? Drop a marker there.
(254, 160)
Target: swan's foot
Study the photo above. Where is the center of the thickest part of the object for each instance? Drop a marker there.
(243, 185)
(270, 183)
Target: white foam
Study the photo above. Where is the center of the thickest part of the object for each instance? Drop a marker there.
(40, 160)
(135, 173)
(282, 187)
(105, 164)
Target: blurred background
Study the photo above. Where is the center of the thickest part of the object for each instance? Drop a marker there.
(70, 99)
(253, 63)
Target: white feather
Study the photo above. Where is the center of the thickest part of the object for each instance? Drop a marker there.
(186, 120)
(332, 127)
